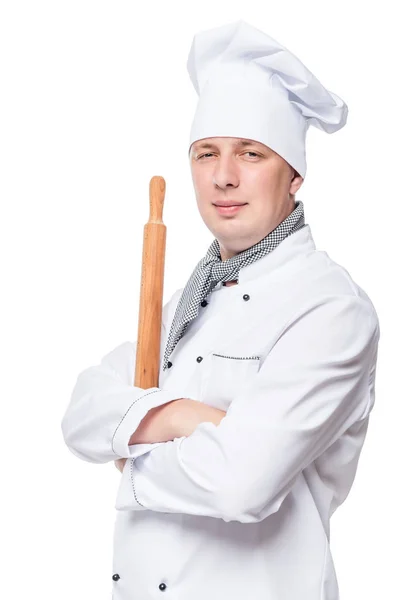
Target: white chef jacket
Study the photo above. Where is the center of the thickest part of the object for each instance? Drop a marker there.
(240, 509)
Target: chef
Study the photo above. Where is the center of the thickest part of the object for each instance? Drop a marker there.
(233, 466)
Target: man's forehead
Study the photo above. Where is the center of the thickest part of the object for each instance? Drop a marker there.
(215, 141)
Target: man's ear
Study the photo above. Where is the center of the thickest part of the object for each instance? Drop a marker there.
(296, 183)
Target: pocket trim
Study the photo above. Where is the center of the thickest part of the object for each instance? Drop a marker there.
(237, 357)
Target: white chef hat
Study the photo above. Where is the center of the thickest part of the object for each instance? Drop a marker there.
(250, 86)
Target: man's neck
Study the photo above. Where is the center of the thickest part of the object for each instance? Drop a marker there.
(229, 283)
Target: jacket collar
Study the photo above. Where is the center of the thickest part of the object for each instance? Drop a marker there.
(294, 247)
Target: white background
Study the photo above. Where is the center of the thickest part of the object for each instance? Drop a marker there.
(95, 100)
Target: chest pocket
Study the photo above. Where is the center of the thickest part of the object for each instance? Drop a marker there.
(225, 376)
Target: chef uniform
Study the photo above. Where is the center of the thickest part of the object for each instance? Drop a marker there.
(241, 509)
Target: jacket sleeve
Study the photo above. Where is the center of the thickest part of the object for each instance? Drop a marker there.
(105, 408)
(316, 381)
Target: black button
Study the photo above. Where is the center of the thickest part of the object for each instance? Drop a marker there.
(169, 364)
(204, 303)
(199, 358)
(162, 586)
(246, 297)
(116, 577)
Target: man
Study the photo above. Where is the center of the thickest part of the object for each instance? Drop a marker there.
(232, 468)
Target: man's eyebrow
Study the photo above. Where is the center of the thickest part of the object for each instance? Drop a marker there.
(208, 145)
(246, 142)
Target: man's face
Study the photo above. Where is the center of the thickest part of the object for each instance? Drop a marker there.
(246, 171)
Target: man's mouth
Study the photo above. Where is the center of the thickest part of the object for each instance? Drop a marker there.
(229, 210)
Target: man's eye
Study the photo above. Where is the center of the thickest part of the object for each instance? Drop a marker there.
(210, 154)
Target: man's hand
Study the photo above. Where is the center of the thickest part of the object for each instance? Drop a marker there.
(188, 414)
(178, 418)
(120, 463)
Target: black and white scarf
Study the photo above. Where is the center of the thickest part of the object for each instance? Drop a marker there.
(211, 269)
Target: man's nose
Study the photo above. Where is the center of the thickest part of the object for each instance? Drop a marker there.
(225, 174)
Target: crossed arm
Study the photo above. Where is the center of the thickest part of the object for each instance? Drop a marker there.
(316, 381)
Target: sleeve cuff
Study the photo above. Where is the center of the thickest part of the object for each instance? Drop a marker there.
(137, 450)
(127, 498)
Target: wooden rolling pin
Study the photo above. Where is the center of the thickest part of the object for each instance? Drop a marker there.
(151, 290)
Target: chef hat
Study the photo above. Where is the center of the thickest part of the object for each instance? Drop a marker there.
(250, 86)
